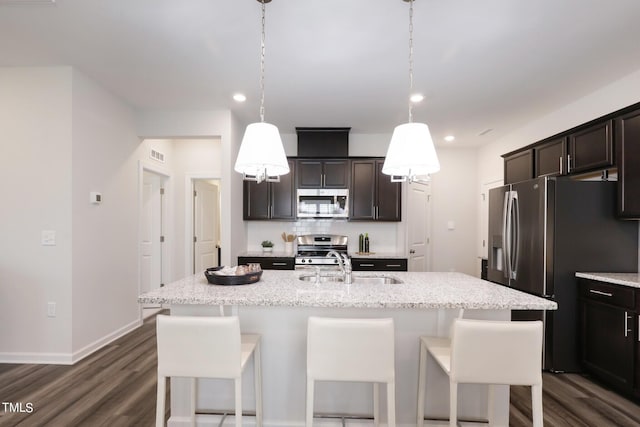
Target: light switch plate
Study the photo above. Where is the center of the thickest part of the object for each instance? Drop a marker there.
(48, 237)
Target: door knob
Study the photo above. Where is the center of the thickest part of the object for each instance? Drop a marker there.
(412, 251)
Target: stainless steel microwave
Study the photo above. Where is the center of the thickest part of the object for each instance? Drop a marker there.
(323, 203)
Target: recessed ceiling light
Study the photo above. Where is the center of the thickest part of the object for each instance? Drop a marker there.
(449, 138)
(238, 97)
(416, 97)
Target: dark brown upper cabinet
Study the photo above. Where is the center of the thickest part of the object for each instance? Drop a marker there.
(373, 197)
(628, 161)
(550, 158)
(271, 200)
(518, 166)
(591, 148)
(322, 173)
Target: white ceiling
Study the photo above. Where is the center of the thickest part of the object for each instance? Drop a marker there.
(482, 64)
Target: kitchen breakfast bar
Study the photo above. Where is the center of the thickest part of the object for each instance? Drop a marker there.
(278, 306)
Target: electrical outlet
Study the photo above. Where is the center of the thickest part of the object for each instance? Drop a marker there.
(51, 309)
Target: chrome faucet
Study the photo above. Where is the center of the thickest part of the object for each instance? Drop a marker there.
(344, 262)
(346, 268)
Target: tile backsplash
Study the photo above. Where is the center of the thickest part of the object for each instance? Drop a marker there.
(383, 237)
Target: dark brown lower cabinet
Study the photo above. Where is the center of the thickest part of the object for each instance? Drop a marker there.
(269, 263)
(379, 264)
(609, 334)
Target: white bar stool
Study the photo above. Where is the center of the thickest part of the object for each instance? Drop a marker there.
(206, 347)
(359, 350)
(486, 352)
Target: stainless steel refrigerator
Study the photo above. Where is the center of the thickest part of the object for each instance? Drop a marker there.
(544, 230)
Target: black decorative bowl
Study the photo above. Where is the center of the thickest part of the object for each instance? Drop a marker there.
(219, 279)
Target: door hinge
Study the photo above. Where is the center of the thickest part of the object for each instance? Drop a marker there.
(195, 239)
(161, 239)
(195, 193)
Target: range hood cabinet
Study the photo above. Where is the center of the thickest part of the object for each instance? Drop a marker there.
(323, 142)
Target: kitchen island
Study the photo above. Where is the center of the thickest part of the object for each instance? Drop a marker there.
(277, 307)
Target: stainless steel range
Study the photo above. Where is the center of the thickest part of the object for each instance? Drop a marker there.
(313, 249)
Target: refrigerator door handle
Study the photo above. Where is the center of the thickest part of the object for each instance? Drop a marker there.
(505, 240)
(513, 249)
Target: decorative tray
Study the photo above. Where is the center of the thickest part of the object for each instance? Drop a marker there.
(223, 279)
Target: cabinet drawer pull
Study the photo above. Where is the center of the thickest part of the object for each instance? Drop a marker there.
(279, 263)
(606, 294)
(393, 265)
(626, 324)
(366, 265)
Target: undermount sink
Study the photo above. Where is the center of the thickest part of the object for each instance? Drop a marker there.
(374, 280)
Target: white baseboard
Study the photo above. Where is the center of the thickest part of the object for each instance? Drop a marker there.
(37, 358)
(68, 358)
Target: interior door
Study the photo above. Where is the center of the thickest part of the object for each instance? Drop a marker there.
(151, 232)
(205, 225)
(418, 226)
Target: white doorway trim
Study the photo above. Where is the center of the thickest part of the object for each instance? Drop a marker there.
(166, 220)
(188, 215)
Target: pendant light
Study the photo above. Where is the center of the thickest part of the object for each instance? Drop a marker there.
(411, 154)
(261, 156)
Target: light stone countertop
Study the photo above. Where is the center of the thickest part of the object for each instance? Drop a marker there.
(262, 254)
(282, 288)
(376, 255)
(625, 279)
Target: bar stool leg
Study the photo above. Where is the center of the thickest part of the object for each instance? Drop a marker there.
(238, 390)
(309, 412)
(391, 404)
(194, 397)
(376, 404)
(536, 405)
(453, 404)
(422, 379)
(257, 373)
(161, 387)
(491, 402)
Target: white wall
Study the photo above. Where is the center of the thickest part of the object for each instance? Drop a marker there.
(454, 203)
(35, 172)
(105, 236)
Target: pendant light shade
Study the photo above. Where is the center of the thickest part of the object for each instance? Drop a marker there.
(261, 156)
(261, 153)
(411, 152)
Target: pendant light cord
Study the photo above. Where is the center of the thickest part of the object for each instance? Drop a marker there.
(262, 65)
(410, 59)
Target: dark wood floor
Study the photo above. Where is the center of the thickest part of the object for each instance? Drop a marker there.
(116, 386)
